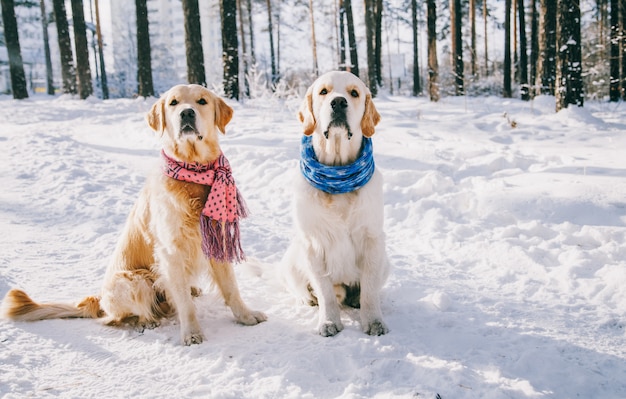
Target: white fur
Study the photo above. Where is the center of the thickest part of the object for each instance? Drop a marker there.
(339, 238)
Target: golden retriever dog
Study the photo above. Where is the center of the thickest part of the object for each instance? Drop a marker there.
(337, 255)
(164, 244)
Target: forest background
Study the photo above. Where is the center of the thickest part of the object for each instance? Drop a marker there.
(497, 47)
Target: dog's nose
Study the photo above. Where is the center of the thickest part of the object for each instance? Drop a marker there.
(187, 115)
(339, 104)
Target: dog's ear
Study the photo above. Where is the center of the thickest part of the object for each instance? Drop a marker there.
(223, 114)
(305, 114)
(156, 116)
(371, 117)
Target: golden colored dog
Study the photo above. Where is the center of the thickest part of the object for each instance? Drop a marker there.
(161, 248)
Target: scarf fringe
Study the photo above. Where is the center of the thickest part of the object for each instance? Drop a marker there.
(221, 240)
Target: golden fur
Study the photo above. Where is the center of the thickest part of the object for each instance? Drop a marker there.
(159, 251)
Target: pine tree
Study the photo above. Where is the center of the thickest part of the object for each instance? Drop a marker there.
(16, 65)
(145, 84)
(68, 72)
(230, 46)
(523, 60)
(506, 92)
(193, 40)
(614, 61)
(547, 47)
(569, 81)
(433, 66)
(85, 89)
(46, 47)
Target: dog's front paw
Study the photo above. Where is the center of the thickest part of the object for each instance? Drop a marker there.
(376, 327)
(251, 318)
(330, 329)
(193, 339)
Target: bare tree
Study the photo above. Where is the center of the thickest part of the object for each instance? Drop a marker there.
(193, 41)
(456, 25)
(270, 29)
(472, 17)
(370, 39)
(83, 69)
(485, 37)
(433, 66)
(230, 48)
(354, 59)
(46, 47)
(614, 61)
(313, 40)
(534, 43)
(103, 75)
(569, 81)
(16, 65)
(68, 72)
(416, 70)
(145, 85)
(523, 59)
(547, 47)
(506, 92)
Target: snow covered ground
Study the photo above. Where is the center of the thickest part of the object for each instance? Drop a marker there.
(506, 229)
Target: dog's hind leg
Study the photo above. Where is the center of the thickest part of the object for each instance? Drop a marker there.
(224, 277)
(129, 297)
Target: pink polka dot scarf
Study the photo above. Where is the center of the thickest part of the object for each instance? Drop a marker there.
(219, 221)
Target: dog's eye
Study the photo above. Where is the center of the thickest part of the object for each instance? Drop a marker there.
(202, 101)
(173, 102)
(323, 92)
(354, 93)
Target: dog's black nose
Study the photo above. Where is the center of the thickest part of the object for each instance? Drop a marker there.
(188, 115)
(339, 104)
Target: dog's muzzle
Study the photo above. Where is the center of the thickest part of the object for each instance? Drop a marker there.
(188, 123)
(339, 106)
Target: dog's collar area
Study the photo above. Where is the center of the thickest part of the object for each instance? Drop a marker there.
(337, 179)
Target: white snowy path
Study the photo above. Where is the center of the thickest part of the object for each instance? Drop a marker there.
(508, 247)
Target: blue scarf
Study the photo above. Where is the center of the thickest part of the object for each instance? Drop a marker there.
(337, 179)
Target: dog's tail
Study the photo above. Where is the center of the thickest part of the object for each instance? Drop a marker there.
(18, 306)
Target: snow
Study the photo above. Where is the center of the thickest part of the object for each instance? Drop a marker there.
(505, 226)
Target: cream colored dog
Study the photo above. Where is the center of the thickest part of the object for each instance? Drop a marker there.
(338, 251)
(159, 252)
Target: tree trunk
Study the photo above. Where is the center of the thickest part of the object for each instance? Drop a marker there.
(354, 58)
(145, 86)
(68, 72)
(506, 92)
(16, 65)
(523, 55)
(46, 48)
(342, 36)
(370, 38)
(193, 41)
(433, 66)
(614, 62)
(244, 49)
(270, 29)
(623, 43)
(457, 47)
(378, 40)
(569, 81)
(249, 8)
(472, 12)
(230, 48)
(103, 74)
(417, 89)
(547, 47)
(313, 40)
(83, 70)
(534, 44)
(486, 36)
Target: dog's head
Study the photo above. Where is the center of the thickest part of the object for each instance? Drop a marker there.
(338, 103)
(187, 117)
